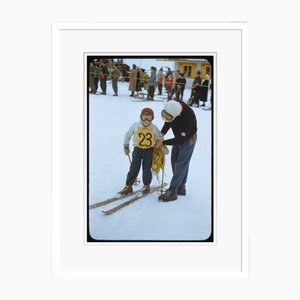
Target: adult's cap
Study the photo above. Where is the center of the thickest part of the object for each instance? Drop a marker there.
(173, 108)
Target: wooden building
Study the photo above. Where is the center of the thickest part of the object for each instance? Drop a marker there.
(190, 67)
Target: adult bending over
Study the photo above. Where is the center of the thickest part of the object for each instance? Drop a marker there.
(181, 118)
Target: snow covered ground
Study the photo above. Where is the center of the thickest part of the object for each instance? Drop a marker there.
(187, 218)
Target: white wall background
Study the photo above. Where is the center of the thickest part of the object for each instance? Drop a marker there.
(25, 215)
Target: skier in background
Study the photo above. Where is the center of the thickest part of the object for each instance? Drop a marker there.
(145, 136)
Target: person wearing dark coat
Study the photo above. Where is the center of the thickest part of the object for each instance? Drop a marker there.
(179, 87)
(179, 117)
(96, 78)
(196, 90)
(204, 90)
(103, 77)
(92, 78)
(138, 80)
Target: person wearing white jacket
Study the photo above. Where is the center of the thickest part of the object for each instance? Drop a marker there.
(145, 135)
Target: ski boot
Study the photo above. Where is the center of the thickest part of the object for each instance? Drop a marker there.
(145, 189)
(181, 190)
(169, 195)
(127, 190)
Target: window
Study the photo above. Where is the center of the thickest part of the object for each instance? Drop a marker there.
(187, 71)
(207, 70)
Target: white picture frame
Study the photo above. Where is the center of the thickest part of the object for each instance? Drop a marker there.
(72, 257)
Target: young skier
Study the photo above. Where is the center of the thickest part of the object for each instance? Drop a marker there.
(145, 135)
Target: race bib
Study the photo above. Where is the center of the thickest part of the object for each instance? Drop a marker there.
(145, 138)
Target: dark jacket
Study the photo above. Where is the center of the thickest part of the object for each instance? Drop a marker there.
(180, 83)
(184, 126)
(104, 72)
(196, 84)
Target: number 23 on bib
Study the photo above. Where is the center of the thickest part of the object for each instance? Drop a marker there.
(145, 138)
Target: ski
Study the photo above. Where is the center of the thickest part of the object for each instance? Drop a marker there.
(130, 201)
(145, 100)
(119, 197)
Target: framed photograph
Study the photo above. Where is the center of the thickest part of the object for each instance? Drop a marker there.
(149, 150)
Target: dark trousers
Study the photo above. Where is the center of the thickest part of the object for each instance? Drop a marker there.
(115, 86)
(180, 160)
(203, 93)
(92, 83)
(151, 92)
(169, 91)
(140, 157)
(179, 94)
(160, 89)
(196, 97)
(96, 80)
(103, 85)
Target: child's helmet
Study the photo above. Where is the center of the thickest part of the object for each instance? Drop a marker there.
(147, 112)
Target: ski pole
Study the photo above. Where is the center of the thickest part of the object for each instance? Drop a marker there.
(162, 180)
(163, 174)
(137, 181)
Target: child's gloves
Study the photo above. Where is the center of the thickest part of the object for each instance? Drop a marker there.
(126, 149)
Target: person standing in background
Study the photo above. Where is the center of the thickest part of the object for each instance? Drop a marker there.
(169, 82)
(103, 77)
(91, 78)
(160, 80)
(152, 83)
(132, 80)
(144, 80)
(180, 86)
(115, 78)
(138, 80)
(196, 90)
(96, 77)
(204, 89)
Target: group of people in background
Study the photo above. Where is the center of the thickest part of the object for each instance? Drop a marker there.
(139, 79)
(141, 82)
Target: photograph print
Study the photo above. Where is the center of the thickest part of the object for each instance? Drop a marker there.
(150, 141)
